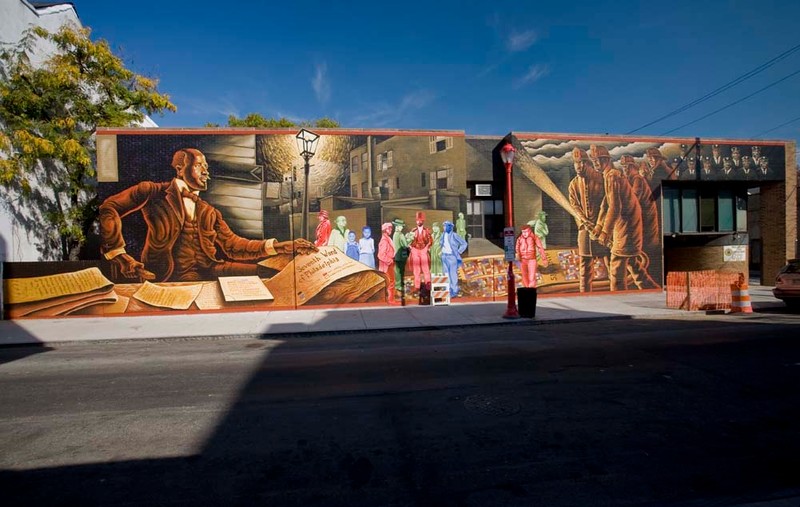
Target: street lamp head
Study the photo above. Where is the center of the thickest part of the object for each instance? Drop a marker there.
(507, 153)
(307, 143)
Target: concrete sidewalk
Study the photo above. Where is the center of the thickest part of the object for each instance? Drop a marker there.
(274, 323)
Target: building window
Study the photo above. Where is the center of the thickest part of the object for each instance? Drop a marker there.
(439, 143)
(672, 210)
(708, 212)
(475, 221)
(442, 179)
(354, 191)
(689, 215)
(707, 209)
(397, 182)
(725, 211)
(423, 180)
(364, 189)
(364, 160)
(741, 213)
(354, 164)
(482, 215)
(385, 160)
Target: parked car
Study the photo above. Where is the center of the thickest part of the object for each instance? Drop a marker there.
(787, 284)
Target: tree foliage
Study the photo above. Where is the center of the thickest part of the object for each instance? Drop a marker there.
(48, 115)
(256, 120)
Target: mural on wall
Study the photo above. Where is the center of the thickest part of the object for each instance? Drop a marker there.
(213, 221)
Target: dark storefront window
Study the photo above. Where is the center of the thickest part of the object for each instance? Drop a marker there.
(725, 211)
(708, 209)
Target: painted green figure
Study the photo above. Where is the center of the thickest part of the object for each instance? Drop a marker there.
(540, 227)
(436, 249)
(339, 234)
(461, 226)
(401, 252)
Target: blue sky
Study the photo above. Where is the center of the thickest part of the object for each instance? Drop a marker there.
(580, 66)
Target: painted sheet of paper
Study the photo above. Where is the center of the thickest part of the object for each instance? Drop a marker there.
(313, 273)
(114, 308)
(244, 288)
(40, 288)
(176, 297)
(210, 297)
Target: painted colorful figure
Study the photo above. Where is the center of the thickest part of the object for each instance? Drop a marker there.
(386, 257)
(339, 234)
(540, 227)
(401, 252)
(323, 232)
(366, 247)
(351, 248)
(453, 246)
(420, 246)
(436, 249)
(528, 247)
(461, 226)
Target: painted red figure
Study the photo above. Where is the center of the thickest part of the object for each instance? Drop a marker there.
(420, 245)
(323, 232)
(386, 259)
(528, 244)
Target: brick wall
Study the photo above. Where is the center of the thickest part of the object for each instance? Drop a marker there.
(778, 220)
(699, 258)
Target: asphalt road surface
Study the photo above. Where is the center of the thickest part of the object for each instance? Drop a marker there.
(702, 411)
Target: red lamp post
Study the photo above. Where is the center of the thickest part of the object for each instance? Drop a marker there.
(507, 153)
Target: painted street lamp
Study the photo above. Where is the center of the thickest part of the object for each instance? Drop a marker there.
(507, 153)
(307, 144)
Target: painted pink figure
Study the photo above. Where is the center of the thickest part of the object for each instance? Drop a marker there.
(323, 231)
(420, 245)
(528, 244)
(386, 259)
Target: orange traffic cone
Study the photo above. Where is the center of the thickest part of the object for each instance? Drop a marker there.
(740, 297)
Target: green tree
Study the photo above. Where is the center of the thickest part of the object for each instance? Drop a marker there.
(256, 120)
(48, 115)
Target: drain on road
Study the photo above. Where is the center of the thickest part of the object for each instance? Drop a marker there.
(492, 405)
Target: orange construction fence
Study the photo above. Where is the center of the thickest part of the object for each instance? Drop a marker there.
(700, 290)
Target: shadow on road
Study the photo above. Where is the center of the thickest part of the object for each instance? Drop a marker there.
(29, 344)
(583, 414)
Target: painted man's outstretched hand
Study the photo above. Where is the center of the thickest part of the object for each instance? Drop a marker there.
(129, 267)
(300, 245)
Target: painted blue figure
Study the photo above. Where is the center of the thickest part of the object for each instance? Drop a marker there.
(366, 247)
(453, 246)
(351, 247)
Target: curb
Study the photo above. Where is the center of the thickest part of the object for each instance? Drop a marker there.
(313, 333)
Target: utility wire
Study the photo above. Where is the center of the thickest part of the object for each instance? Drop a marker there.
(732, 103)
(776, 128)
(722, 88)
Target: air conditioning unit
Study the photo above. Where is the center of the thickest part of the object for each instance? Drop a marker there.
(483, 190)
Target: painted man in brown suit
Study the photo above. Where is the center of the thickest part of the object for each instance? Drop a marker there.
(187, 238)
(586, 194)
(619, 225)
